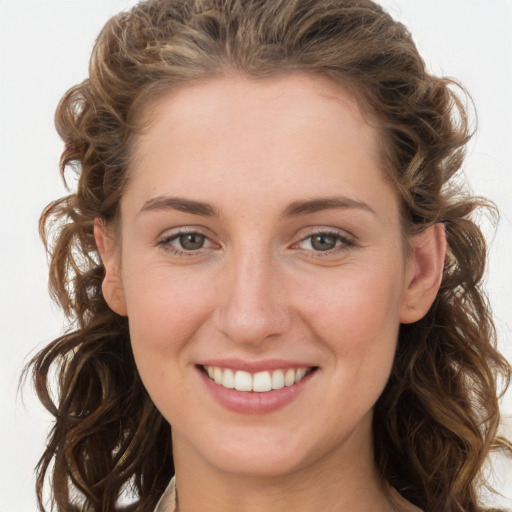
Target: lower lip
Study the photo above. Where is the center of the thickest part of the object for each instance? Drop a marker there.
(250, 402)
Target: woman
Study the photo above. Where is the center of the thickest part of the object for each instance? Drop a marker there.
(274, 275)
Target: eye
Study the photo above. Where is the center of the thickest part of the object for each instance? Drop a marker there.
(325, 241)
(191, 241)
(185, 242)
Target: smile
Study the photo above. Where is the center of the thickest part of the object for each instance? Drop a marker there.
(259, 382)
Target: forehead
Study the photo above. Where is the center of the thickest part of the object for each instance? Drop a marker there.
(298, 132)
(238, 101)
(239, 90)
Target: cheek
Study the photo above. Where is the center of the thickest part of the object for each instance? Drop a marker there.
(165, 310)
(356, 301)
(356, 316)
(165, 316)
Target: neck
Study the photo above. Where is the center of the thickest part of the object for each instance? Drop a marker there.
(345, 479)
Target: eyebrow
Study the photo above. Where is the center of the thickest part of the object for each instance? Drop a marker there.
(297, 208)
(310, 206)
(180, 204)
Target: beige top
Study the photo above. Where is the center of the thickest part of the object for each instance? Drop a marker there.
(168, 501)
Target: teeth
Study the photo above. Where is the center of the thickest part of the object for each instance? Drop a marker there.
(228, 379)
(259, 382)
(300, 374)
(217, 375)
(243, 381)
(289, 378)
(278, 379)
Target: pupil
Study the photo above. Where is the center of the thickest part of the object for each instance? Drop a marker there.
(323, 242)
(191, 241)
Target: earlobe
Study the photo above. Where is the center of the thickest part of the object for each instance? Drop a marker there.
(426, 272)
(112, 286)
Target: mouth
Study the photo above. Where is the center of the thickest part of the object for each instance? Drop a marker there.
(258, 382)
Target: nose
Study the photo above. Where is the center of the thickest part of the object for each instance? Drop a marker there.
(253, 308)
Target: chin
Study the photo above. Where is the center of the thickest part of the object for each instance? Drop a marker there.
(259, 464)
(280, 456)
(249, 452)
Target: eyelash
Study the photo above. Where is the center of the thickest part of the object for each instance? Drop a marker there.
(165, 243)
(344, 241)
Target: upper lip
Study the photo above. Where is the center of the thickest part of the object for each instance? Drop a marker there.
(255, 366)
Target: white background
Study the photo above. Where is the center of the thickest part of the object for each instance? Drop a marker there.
(44, 49)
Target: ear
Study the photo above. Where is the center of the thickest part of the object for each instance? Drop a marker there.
(425, 272)
(112, 285)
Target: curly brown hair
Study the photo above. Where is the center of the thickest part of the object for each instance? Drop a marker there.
(436, 420)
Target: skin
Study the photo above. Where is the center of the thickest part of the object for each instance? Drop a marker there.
(258, 289)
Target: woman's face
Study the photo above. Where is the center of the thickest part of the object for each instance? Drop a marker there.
(260, 243)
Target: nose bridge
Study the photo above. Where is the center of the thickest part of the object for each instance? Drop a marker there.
(253, 307)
